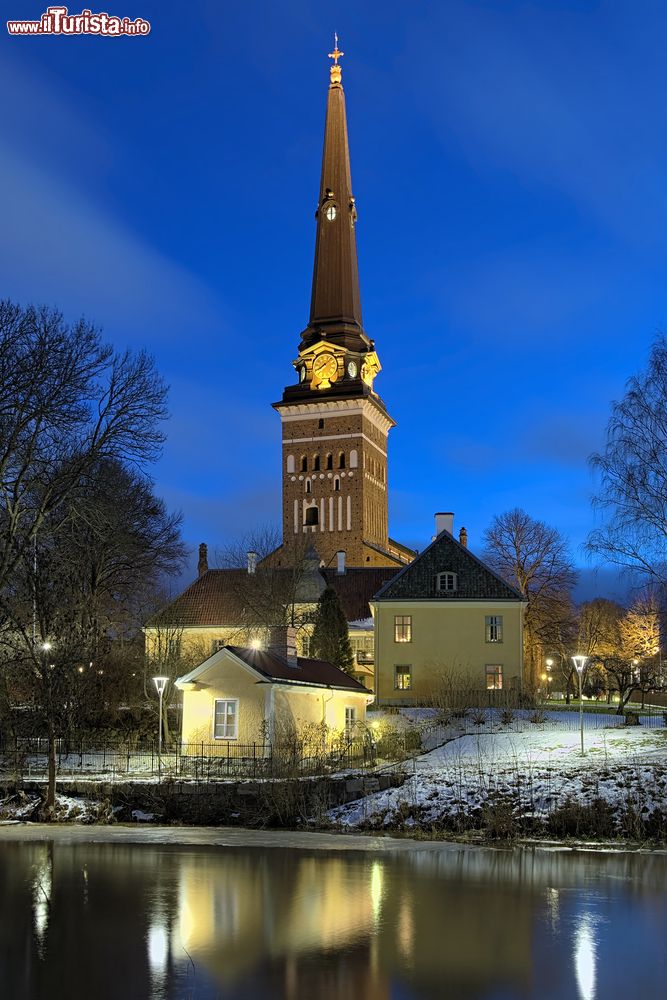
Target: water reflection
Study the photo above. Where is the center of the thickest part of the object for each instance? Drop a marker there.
(109, 921)
(584, 958)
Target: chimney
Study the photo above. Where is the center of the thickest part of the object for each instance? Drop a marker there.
(252, 562)
(340, 560)
(202, 565)
(444, 522)
(463, 538)
(282, 642)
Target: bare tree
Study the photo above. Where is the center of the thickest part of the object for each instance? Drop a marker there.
(534, 558)
(633, 475)
(598, 637)
(272, 591)
(67, 401)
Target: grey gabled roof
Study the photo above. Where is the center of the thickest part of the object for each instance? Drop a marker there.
(475, 581)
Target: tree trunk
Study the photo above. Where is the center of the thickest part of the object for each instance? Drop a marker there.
(51, 785)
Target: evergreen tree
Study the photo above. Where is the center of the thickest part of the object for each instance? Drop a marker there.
(330, 638)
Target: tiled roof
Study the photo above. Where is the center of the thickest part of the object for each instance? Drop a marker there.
(475, 581)
(307, 671)
(357, 586)
(217, 597)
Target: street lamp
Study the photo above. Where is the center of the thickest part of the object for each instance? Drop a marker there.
(550, 664)
(160, 684)
(579, 664)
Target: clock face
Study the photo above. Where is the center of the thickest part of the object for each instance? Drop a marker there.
(352, 369)
(325, 371)
(302, 373)
(331, 212)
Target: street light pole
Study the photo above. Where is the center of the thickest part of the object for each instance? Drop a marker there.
(160, 684)
(550, 664)
(579, 664)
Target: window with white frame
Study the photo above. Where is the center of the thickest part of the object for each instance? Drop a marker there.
(217, 644)
(226, 719)
(493, 628)
(173, 647)
(402, 677)
(446, 583)
(350, 718)
(494, 676)
(402, 628)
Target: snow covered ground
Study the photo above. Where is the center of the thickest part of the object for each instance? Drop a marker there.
(532, 769)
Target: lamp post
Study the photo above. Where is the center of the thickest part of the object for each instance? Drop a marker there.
(579, 664)
(549, 664)
(160, 684)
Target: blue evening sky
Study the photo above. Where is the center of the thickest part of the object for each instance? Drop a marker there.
(508, 162)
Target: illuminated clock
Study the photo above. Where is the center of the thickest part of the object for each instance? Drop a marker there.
(302, 373)
(325, 371)
(331, 212)
(352, 369)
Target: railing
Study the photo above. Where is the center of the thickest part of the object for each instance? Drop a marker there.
(28, 758)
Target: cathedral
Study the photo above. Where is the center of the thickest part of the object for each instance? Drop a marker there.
(335, 426)
(335, 431)
(433, 613)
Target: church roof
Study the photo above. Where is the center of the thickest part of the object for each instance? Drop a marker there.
(475, 581)
(356, 587)
(218, 597)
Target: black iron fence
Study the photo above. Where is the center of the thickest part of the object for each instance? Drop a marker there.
(28, 758)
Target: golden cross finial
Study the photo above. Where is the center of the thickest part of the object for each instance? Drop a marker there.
(336, 70)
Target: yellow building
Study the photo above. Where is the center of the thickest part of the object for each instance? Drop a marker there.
(446, 620)
(244, 695)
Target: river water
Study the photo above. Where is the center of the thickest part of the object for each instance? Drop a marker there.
(286, 916)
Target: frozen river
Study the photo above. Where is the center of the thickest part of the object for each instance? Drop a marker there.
(102, 913)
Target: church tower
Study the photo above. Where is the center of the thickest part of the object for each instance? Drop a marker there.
(334, 424)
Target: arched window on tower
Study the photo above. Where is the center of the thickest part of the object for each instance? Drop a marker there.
(316, 463)
(311, 516)
(341, 460)
(308, 490)
(290, 463)
(353, 458)
(337, 484)
(329, 461)
(304, 463)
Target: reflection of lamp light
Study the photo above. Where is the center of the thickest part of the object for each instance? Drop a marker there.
(376, 889)
(255, 643)
(584, 959)
(157, 942)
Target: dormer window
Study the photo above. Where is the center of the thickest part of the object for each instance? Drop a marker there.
(446, 583)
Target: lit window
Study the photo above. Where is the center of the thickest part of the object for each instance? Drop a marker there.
(494, 628)
(402, 628)
(403, 677)
(225, 719)
(350, 718)
(173, 647)
(446, 583)
(494, 676)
